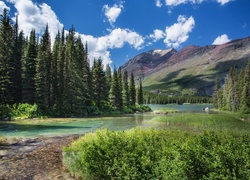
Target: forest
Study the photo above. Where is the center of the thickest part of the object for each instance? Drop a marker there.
(57, 79)
(234, 95)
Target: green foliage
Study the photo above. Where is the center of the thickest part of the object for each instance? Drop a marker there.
(165, 110)
(159, 154)
(25, 110)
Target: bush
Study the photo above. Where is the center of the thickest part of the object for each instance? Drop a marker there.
(24, 111)
(158, 154)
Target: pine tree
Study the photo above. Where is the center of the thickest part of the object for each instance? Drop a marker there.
(54, 70)
(217, 101)
(87, 79)
(140, 94)
(17, 65)
(132, 90)
(125, 89)
(7, 71)
(60, 101)
(115, 95)
(99, 84)
(29, 70)
(43, 72)
(108, 76)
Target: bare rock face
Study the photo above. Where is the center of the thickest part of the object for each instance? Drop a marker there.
(142, 64)
(193, 67)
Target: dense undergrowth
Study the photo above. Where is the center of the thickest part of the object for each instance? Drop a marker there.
(159, 154)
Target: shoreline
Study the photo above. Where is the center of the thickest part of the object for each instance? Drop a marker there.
(35, 158)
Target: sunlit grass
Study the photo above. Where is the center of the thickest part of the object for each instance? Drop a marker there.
(203, 122)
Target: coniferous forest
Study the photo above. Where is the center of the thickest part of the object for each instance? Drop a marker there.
(234, 95)
(58, 79)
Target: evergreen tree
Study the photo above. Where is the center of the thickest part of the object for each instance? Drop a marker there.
(60, 101)
(29, 70)
(132, 90)
(7, 61)
(217, 101)
(140, 94)
(54, 71)
(43, 76)
(87, 79)
(115, 95)
(245, 95)
(17, 65)
(125, 89)
(99, 84)
(108, 76)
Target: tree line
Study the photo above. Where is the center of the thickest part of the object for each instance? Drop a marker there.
(234, 95)
(58, 78)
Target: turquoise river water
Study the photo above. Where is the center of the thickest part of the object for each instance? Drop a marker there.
(67, 126)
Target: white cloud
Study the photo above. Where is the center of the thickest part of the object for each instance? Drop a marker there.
(178, 2)
(158, 34)
(112, 13)
(158, 3)
(179, 32)
(3, 6)
(36, 16)
(223, 2)
(100, 46)
(221, 40)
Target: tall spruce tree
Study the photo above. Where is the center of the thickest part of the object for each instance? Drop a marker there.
(43, 76)
(132, 90)
(29, 70)
(140, 94)
(7, 61)
(99, 85)
(217, 93)
(115, 95)
(60, 101)
(125, 89)
(17, 65)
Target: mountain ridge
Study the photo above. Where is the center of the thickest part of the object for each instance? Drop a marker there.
(191, 70)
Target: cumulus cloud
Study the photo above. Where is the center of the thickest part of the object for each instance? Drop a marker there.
(112, 13)
(32, 15)
(3, 6)
(178, 33)
(221, 40)
(36, 16)
(158, 3)
(100, 46)
(158, 34)
(178, 2)
(223, 2)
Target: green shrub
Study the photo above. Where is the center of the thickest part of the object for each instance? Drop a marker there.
(24, 111)
(159, 154)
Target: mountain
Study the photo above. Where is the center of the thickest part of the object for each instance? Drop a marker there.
(191, 70)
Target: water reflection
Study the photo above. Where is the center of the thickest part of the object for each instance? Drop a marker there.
(55, 127)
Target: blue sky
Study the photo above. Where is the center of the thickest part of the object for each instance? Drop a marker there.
(117, 30)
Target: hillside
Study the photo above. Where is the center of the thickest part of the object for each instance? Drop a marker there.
(191, 70)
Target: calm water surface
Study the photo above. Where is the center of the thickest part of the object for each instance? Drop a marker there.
(66, 126)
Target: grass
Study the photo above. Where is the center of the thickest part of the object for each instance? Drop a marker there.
(165, 110)
(204, 122)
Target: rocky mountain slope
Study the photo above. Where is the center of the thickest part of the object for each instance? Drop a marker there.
(191, 70)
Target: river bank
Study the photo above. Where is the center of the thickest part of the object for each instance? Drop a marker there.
(34, 158)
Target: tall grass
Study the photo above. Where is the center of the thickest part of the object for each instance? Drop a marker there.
(203, 122)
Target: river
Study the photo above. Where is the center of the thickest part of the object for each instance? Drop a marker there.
(67, 126)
